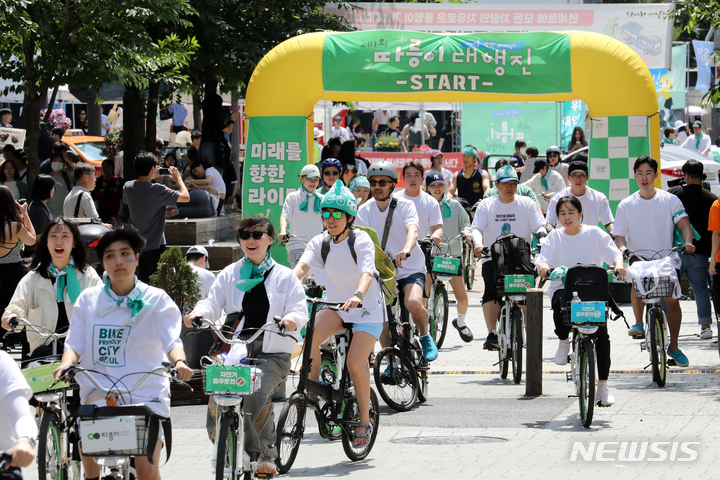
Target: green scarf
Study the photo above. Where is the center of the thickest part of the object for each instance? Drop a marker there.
(697, 141)
(447, 210)
(305, 196)
(136, 304)
(251, 274)
(559, 273)
(66, 279)
(543, 180)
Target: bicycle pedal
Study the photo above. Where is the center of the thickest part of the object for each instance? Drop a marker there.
(264, 475)
(572, 396)
(643, 347)
(671, 362)
(638, 337)
(602, 406)
(452, 302)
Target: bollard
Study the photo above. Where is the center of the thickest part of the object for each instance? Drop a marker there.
(534, 340)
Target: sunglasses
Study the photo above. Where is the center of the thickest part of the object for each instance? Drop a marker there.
(553, 155)
(382, 183)
(335, 215)
(333, 173)
(255, 234)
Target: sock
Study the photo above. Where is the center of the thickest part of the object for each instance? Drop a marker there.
(493, 331)
(423, 336)
(461, 319)
(602, 382)
(566, 340)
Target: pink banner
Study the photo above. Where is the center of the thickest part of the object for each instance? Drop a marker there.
(452, 161)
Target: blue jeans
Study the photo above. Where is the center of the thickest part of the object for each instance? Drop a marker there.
(695, 267)
(199, 206)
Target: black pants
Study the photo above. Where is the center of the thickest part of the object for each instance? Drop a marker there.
(148, 263)
(602, 339)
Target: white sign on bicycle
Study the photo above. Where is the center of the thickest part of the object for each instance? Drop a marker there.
(108, 434)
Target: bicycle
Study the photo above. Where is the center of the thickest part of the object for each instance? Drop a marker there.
(12, 473)
(469, 263)
(655, 319)
(58, 455)
(337, 405)
(444, 267)
(228, 385)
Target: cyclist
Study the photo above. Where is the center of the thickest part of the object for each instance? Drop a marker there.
(455, 222)
(573, 243)
(330, 170)
(58, 274)
(401, 243)
(18, 430)
(360, 188)
(522, 190)
(471, 182)
(260, 289)
(302, 211)
(553, 158)
(545, 182)
(144, 324)
(596, 208)
(506, 213)
(644, 223)
(436, 166)
(351, 285)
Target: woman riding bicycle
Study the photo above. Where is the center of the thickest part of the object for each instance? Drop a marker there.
(17, 425)
(259, 289)
(122, 328)
(58, 274)
(349, 285)
(455, 222)
(568, 246)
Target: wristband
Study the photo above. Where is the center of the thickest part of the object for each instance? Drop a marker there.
(181, 360)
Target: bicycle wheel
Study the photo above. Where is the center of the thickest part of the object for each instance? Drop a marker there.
(49, 449)
(438, 322)
(469, 267)
(352, 414)
(290, 430)
(658, 352)
(226, 459)
(422, 386)
(516, 340)
(396, 380)
(502, 351)
(587, 382)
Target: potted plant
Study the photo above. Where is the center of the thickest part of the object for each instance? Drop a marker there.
(387, 143)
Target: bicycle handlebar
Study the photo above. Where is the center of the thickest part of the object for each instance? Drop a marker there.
(199, 322)
(15, 322)
(287, 239)
(70, 372)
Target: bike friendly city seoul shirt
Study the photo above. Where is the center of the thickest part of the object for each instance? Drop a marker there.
(113, 342)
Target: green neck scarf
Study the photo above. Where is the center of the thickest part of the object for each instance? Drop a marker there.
(66, 279)
(697, 141)
(251, 274)
(136, 304)
(306, 196)
(543, 179)
(447, 210)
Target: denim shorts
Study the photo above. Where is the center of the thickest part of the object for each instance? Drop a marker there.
(374, 329)
(415, 278)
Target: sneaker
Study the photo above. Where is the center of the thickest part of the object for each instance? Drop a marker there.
(637, 330)
(679, 357)
(464, 332)
(492, 342)
(561, 356)
(266, 466)
(385, 376)
(706, 333)
(603, 395)
(430, 351)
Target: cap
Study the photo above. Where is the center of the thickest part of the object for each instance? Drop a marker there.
(360, 181)
(318, 133)
(310, 171)
(577, 166)
(539, 165)
(337, 118)
(433, 179)
(697, 124)
(202, 251)
(506, 174)
(679, 123)
(435, 153)
(694, 168)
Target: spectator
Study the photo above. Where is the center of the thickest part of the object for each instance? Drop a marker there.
(700, 142)
(63, 184)
(79, 202)
(577, 140)
(380, 120)
(5, 118)
(545, 183)
(105, 125)
(191, 157)
(195, 139)
(42, 190)
(9, 178)
(57, 134)
(532, 155)
(8, 152)
(669, 137)
(183, 138)
(69, 156)
(698, 203)
(208, 178)
(436, 166)
(518, 158)
(231, 186)
(317, 148)
(338, 130)
(682, 132)
(214, 128)
(146, 209)
(197, 258)
(108, 193)
(82, 122)
(45, 142)
(430, 124)
(159, 145)
(553, 159)
(403, 118)
(179, 114)
(360, 144)
(413, 132)
(20, 160)
(445, 143)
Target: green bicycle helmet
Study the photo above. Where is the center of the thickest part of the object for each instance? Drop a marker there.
(340, 198)
(359, 182)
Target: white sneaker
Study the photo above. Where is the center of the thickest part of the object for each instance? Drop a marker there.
(563, 350)
(604, 396)
(706, 333)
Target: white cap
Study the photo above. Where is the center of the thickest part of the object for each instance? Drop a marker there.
(201, 250)
(679, 124)
(318, 133)
(310, 171)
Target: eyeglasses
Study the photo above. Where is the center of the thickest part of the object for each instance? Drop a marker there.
(645, 175)
(382, 183)
(333, 173)
(255, 234)
(335, 215)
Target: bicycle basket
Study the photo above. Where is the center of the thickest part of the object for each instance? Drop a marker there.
(39, 375)
(447, 265)
(231, 380)
(665, 287)
(585, 313)
(120, 431)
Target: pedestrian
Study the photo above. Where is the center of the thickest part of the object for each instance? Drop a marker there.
(380, 120)
(436, 166)
(532, 155)
(669, 137)
(301, 213)
(9, 178)
(43, 189)
(338, 130)
(519, 158)
(108, 193)
(70, 158)
(682, 132)
(79, 202)
(5, 118)
(317, 148)
(699, 142)
(198, 259)
(577, 140)
(19, 158)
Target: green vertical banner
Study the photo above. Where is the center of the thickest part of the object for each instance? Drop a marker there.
(275, 153)
(615, 144)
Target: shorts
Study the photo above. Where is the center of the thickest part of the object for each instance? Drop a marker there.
(488, 274)
(415, 278)
(374, 329)
(294, 256)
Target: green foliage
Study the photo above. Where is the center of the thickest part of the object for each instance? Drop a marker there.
(178, 280)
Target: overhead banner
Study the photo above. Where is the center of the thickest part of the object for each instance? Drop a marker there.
(573, 114)
(423, 62)
(703, 50)
(646, 28)
(495, 127)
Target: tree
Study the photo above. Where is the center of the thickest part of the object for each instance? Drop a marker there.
(178, 280)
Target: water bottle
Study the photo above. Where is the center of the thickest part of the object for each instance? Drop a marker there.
(576, 298)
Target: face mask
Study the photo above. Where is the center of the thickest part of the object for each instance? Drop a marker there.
(56, 167)
(522, 150)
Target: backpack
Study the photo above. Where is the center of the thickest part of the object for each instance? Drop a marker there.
(383, 261)
(511, 255)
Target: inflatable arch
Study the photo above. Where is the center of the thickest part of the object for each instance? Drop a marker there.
(390, 65)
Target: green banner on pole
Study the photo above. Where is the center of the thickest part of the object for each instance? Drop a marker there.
(405, 62)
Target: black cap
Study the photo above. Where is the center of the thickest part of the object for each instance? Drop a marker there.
(539, 165)
(694, 168)
(577, 165)
(432, 179)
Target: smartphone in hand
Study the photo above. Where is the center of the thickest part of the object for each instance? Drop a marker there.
(164, 171)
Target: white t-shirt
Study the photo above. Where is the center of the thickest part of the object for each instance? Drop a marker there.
(681, 137)
(430, 122)
(381, 116)
(596, 208)
(344, 275)
(205, 280)
(217, 180)
(590, 246)
(111, 342)
(13, 189)
(446, 174)
(648, 225)
(405, 214)
(428, 211)
(340, 132)
(690, 142)
(302, 224)
(493, 219)
(11, 381)
(555, 184)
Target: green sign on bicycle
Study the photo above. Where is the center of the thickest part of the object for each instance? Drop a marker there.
(40, 378)
(228, 379)
(448, 265)
(518, 283)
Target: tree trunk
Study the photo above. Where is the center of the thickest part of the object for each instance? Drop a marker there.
(210, 90)
(197, 113)
(94, 114)
(133, 130)
(31, 111)
(50, 105)
(151, 129)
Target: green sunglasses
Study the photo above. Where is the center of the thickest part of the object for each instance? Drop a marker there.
(335, 215)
